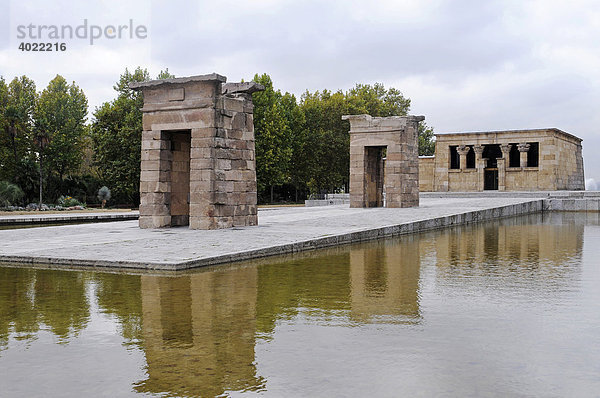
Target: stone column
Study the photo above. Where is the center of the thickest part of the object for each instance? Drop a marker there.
(480, 164)
(505, 148)
(502, 164)
(523, 149)
(462, 152)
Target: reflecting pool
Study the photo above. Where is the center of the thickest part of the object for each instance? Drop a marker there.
(504, 308)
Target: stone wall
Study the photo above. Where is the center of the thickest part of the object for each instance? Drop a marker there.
(426, 167)
(394, 137)
(198, 165)
(569, 167)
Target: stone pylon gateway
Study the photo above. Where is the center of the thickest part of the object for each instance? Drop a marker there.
(384, 161)
(198, 165)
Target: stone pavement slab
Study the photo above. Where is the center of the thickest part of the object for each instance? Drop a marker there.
(280, 230)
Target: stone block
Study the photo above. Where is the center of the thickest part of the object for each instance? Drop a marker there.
(202, 210)
(201, 186)
(197, 222)
(202, 175)
(223, 186)
(233, 104)
(202, 197)
(223, 164)
(155, 175)
(592, 205)
(155, 154)
(200, 118)
(154, 209)
(155, 198)
(199, 153)
(202, 164)
(155, 144)
(155, 165)
(224, 222)
(202, 133)
(221, 198)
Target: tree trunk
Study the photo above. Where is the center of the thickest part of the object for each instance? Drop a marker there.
(10, 131)
(41, 181)
(271, 194)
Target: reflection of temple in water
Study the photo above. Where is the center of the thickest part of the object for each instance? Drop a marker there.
(385, 279)
(547, 241)
(199, 333)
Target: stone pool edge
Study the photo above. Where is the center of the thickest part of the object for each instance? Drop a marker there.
(40, 219)
(429, 224)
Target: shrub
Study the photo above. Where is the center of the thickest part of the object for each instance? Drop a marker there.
(10, 194)
(104, 195)
(68, 201)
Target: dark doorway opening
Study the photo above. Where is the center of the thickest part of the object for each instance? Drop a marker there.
(471, 158)
(490, 179)
(514, 157)
(454, 157)
(533, 154)
(180, 177)
(374, 156)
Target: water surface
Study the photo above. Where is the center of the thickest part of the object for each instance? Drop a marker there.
(505, 308)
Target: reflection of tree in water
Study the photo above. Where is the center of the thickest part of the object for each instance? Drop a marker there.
(359, 281)
(61, 301)
(120, 295)
(17, 313)
(30, 298)
(385, 281)
(318, 285)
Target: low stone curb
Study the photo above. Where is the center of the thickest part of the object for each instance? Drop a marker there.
(66, 218)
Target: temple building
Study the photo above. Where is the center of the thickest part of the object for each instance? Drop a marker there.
(519, 160)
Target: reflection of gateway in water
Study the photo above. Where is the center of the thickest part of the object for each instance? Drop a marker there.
(199, 330)
(199, 333)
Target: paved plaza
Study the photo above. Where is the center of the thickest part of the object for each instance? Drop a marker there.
(281, 230)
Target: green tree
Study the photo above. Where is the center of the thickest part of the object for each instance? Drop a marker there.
(60, 116)
(272, 136)
(426, 142)
(376, 101)
(300, 159)
(117, 134)
(328, 140)
(165, 74)
(17, 102)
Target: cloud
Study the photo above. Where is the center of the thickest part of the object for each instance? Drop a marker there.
(466, 65)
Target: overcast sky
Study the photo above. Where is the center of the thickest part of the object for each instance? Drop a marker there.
(466, 65)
